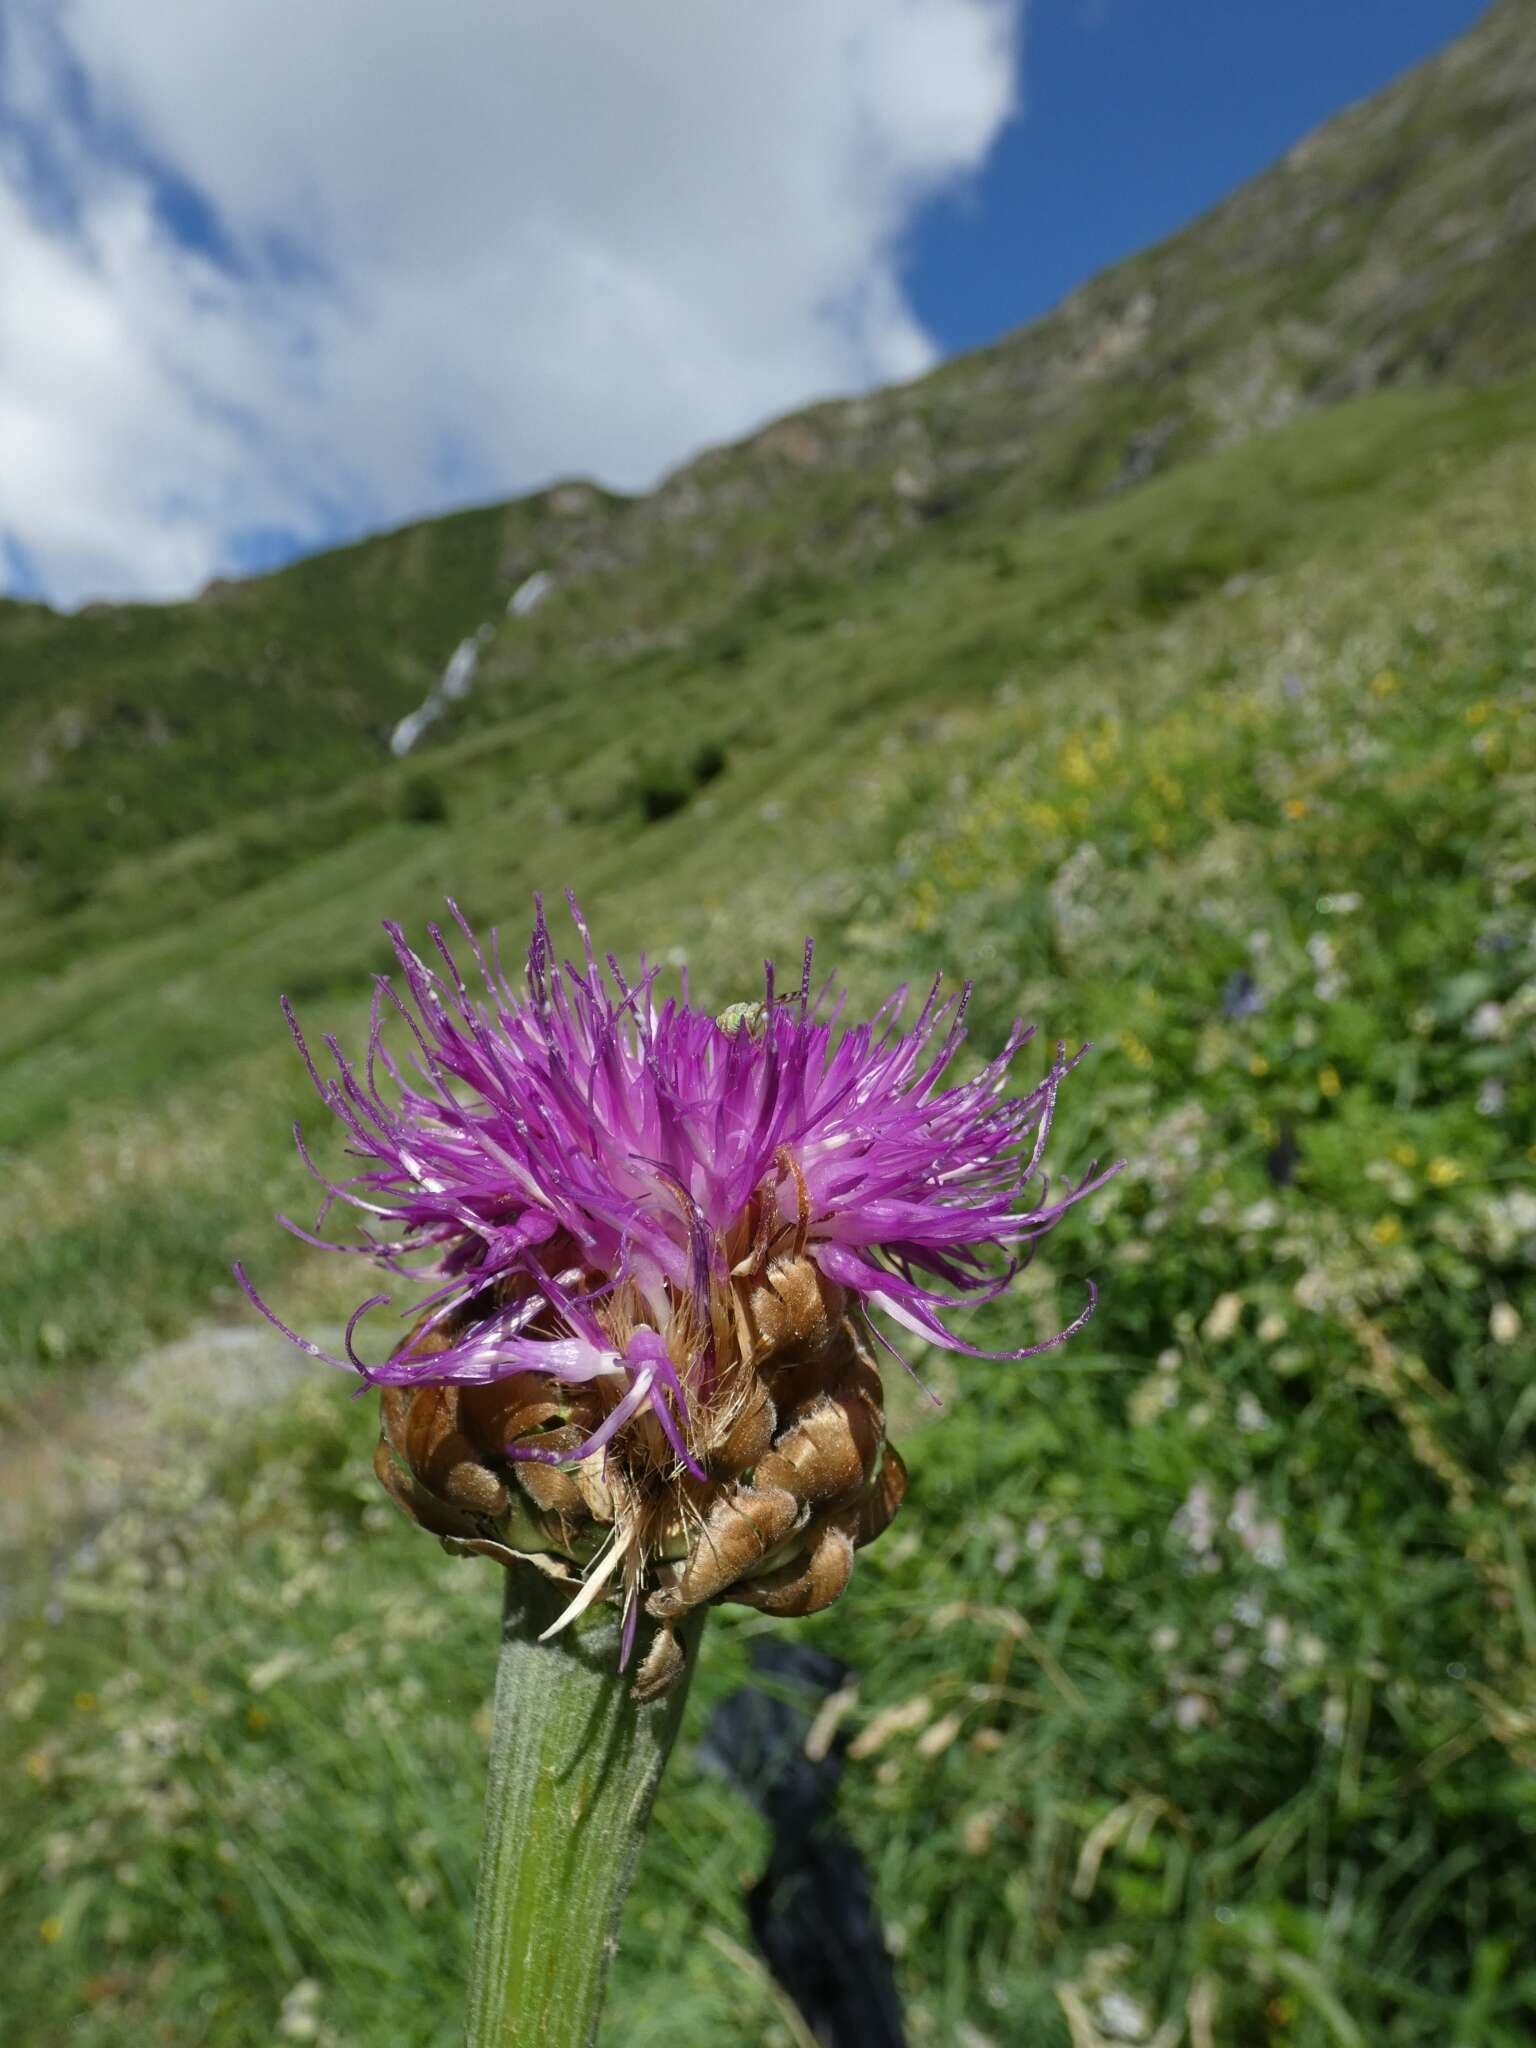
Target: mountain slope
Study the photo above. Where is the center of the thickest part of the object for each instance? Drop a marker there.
(1397, 245)
(1209, 1638)
(138, 1033)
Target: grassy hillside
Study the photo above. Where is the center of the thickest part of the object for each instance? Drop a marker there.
(139, 1032)
(1214, 1638)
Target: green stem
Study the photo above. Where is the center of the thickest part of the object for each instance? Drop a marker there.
(573, 1774)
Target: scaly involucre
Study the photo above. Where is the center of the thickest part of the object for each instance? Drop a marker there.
(542, 1154)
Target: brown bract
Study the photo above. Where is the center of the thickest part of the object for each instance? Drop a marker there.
(791, 1433)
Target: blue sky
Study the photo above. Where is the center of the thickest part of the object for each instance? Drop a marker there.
(1137, 116)
(272, 277)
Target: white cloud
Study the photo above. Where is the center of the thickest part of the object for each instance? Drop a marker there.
(464, 248)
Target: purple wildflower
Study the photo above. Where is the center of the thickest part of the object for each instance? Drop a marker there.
(543, 1153)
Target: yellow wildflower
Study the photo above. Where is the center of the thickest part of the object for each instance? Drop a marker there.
(1135, 1051)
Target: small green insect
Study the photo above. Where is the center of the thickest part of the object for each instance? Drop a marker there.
(749, 1017)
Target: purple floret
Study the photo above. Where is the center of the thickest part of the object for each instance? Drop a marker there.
(540, 1148)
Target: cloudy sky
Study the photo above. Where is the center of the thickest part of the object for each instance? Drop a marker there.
(274, 275)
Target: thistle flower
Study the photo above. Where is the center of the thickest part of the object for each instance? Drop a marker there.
(654, 1237)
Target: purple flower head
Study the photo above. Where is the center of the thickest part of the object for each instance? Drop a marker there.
(587, 1173)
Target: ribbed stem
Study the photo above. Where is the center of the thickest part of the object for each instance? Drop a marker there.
(573, 1774)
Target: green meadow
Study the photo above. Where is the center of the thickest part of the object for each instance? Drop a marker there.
(1196, 1683)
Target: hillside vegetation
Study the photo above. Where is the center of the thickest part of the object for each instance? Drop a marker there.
(1197, 1682)
(1394, 248)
